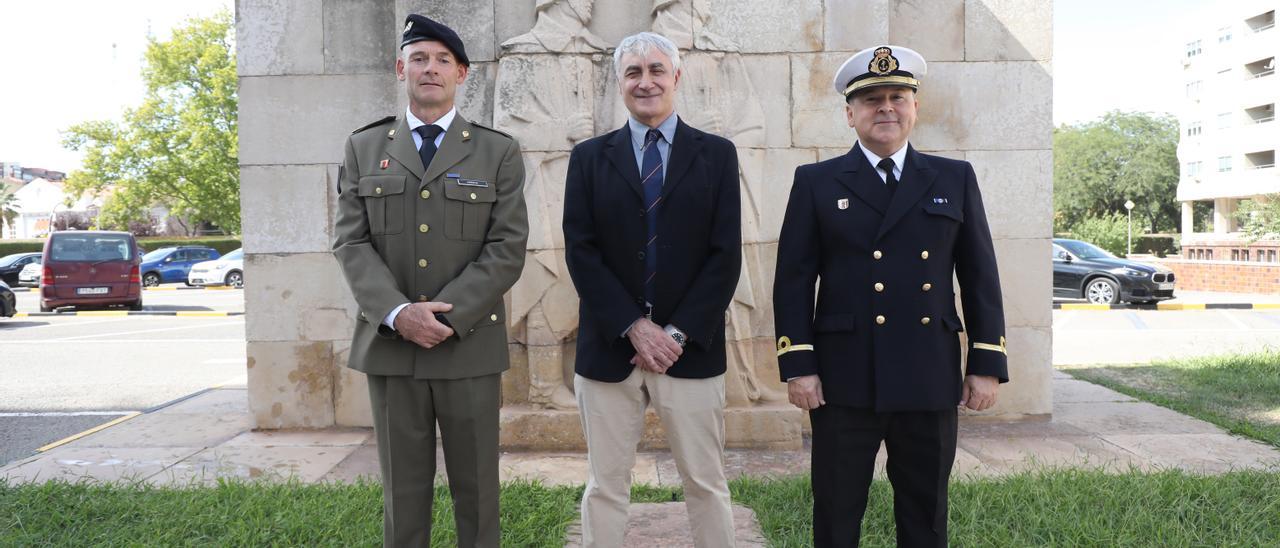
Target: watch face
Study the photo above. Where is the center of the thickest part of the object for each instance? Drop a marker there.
(679, 337)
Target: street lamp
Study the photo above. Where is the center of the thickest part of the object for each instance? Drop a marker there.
(1128, 205)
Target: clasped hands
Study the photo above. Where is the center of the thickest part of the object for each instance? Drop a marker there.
(656, 351)
(978, 394)
(417, 323)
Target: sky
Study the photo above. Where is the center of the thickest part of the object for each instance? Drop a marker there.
(71, 61)
(1107, 54)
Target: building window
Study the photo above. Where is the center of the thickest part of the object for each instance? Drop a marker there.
(1224, 35)
(1193, 90)
(1192, 169)
(1193, 129)
(1271, 255)
(1193, 48)
(1224, 120)
(1224, 164)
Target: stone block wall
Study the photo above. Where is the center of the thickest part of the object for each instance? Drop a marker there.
(756, 71)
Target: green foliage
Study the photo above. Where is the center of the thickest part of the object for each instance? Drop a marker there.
(223, 244)
(1160, 245)
(179, 147)
(1099, 165)
(9, 247)
(1260, 219)
(1110, 232)
(1238, 392)
(1045, 507)
(8, 208)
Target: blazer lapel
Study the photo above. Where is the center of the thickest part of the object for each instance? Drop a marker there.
(856, 174)
(917, 177)
(402, 148)
(619, 152)
(454, 148)
(687, 146)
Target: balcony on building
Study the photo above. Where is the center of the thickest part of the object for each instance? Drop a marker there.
(1261, 114)
(1263, 159)
(1261, 22)
(1261, 68)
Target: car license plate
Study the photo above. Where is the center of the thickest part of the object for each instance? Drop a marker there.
(1168, 286)
(92, 291)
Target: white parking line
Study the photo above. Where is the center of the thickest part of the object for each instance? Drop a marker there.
(157, 330)
(67, 414)
(239, 341)
(1233, 319)
(223, 361)
(77, 323)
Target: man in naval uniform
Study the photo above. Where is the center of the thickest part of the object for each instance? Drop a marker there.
(430, 233)
(876, 357)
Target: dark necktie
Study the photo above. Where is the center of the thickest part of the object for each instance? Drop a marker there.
(428, 149)
(651, 182)
(889, 180)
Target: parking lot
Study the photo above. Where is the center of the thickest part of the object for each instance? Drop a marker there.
(65, 373)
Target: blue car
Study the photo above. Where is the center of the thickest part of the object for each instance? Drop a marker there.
(172, 264)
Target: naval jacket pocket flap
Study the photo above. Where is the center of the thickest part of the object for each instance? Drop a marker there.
(946, 210)
(375, 186)
(830, 323)
(952, 323)
(470, 194)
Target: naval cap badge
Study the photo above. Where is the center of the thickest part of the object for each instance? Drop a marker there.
(883, 62)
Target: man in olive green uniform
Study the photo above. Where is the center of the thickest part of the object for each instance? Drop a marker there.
(430, 233)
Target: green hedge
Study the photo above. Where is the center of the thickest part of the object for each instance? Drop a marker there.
(224, 244)
(1160, 245)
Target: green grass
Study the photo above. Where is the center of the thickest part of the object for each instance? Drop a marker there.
(1043, 508)
(1240, 393)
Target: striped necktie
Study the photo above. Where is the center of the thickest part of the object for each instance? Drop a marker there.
(651, 182)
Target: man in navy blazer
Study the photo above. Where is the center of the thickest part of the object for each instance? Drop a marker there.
(652, 238)
(876, 358)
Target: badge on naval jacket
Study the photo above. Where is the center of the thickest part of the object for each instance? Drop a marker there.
(842, 203)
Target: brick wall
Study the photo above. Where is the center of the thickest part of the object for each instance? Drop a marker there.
(1229, 276)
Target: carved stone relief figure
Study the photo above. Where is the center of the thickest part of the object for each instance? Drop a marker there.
(545, 101)
(561, 27)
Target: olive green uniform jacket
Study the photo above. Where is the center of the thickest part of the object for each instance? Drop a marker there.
(453, 233)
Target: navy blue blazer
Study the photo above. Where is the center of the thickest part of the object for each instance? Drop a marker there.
(883, 331)
(699, 249)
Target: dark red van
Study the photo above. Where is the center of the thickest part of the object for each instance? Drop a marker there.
(90, 268)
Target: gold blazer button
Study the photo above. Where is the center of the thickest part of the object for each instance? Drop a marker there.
(422, 263)
(926, 287)
(880, 320)
(423, 228)
(877, 254)
(879, 287)
(924, 320)
(426, 194)
(924, 254)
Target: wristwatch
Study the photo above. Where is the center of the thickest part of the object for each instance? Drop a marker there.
(677, 335)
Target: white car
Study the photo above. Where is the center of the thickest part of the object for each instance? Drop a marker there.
(29, 276)
(227, 270)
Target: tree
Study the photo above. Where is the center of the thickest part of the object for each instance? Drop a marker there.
(1260, 219)
(1099, 165)
(1110, 232)
(8, 209)
(177, 149)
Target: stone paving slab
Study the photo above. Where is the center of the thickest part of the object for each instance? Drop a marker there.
(105, 464)
(163, 429)
(1212, 453)
(666, 525)
(305, 464)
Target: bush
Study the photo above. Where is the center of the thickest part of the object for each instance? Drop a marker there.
(1160, 245)
(9, 247)
(1110, 232)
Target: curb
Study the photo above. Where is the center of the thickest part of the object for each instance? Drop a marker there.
(1168, 306)
(179, 288)
(118, 313)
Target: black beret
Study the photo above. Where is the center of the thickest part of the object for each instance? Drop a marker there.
(418, 28)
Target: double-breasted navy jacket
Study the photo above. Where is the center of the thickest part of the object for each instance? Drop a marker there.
(883, 331)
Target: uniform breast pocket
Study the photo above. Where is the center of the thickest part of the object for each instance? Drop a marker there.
(384, 202)
(467, 207)
(950, 211)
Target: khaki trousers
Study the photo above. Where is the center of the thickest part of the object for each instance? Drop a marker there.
(692, 414)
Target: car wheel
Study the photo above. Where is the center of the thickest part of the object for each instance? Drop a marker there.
(44, 308)
(1102, 291)
(235, 279)
(151, 279)
(136, 305)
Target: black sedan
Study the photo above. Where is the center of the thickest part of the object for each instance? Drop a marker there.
(8, 302)
(11, 265)
(1085, 271)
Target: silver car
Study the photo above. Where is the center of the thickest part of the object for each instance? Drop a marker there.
(29, 276)
(227, 270)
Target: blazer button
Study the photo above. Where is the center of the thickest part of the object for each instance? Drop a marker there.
(473, 196)
(924, 254)
(640, 255)
(926, 287)
(423, 228)
(880, 320)
(879, 287)
(426, 194)
(493, 317)
(877, 254)
(422, 263)
(924, 320)
(422, 298)
(377, 190)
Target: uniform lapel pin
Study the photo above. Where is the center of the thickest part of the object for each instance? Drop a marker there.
(466, 135)
(391, 133)
(385, 162)
(842, 203)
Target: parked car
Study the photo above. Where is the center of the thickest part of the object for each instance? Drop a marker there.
(90, 268)
(1084, 271)
(8, 302)
(30, 275)
(172, 264)
(226, 270)
(11, 265)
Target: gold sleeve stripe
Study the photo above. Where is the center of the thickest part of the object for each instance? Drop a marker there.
(991, 347)
(795, 348)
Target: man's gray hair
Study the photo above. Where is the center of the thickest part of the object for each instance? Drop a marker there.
(640, 44)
